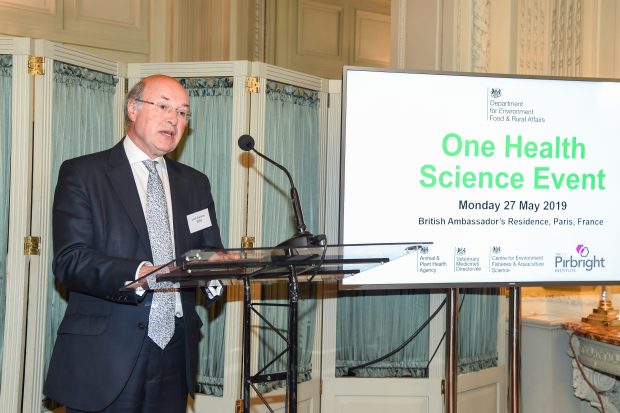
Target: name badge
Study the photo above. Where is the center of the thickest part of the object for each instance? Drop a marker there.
(199, 220)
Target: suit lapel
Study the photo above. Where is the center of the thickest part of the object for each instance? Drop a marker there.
(179, 198)
(123, 182)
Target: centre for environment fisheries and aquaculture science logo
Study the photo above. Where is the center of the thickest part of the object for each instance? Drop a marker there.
(582, 261)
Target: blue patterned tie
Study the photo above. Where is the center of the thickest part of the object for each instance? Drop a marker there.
(161, 316)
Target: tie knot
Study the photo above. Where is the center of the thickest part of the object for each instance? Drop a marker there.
(150, 165)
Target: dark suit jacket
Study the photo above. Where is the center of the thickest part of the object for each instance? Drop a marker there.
(100, 237)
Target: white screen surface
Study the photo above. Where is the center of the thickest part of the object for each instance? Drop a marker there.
(514, 180)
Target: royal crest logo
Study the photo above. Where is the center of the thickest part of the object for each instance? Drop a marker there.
(496, 92)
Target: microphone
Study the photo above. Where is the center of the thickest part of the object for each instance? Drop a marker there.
(302, 237)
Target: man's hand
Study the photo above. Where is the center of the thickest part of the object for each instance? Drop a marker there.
(224, 256)
(148, 269)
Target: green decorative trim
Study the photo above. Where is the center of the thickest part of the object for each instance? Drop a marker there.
(288, 93)
(214, 86)
(86, 78)
(6, 65)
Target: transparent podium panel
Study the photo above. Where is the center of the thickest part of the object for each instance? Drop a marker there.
(198, 267)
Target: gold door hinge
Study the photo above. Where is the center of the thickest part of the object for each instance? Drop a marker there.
(35, 65)
(31, 245)
(239, 406)
(247, 242)
(251, 84)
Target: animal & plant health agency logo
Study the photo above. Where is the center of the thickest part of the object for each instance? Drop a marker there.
(583, 260)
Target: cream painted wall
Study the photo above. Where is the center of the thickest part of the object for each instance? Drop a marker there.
(118, 28)
(311, 36)
(321, 36)
(568, 37)
(561, 38)
(127, 30)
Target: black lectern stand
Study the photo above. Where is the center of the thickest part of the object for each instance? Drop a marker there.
(295, 264)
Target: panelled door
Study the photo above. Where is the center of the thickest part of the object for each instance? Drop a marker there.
(61, 113)
(16, 86)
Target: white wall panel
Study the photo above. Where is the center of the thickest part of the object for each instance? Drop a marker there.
(32, 18)
(327, 40)
(322, 36)
(115, 12)
(114, 24)
(120, 25)
(41, 6)
(372, 33)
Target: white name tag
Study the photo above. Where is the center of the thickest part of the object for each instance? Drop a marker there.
(199, 220)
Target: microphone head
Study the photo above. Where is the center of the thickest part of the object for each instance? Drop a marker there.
(246, 142)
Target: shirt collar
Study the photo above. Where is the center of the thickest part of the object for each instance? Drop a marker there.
(135, 154)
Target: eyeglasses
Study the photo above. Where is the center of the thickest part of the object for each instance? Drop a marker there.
(166, 109)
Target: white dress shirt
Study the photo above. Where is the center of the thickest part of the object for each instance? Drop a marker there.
(141, 175)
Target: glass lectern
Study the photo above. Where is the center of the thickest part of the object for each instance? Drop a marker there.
(197, 268)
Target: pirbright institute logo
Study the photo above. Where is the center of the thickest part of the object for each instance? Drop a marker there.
(581, 261)
(582, 250)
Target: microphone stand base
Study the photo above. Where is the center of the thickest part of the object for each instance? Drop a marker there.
(305, 239)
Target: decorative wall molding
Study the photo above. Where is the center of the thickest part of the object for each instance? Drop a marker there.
(606, 385)
(372, 31)
(550, 37)
(471, 21)
(481, 41)
(399, 33)
(326, 42)
(531, 36)
(565, 42)
(115, 12)
(258, 34)
(111, 26)
(39, 6)
(458, 41)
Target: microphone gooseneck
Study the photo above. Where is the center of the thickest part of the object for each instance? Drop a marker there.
(246, 143)
(302, 237)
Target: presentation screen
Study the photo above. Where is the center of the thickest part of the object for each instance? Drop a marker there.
(514, 180)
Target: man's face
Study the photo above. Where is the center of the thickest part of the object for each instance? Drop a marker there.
(152, 130)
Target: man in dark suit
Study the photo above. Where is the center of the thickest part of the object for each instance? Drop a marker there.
(104, 358)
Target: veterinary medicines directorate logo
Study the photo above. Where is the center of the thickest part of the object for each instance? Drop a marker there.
(581, 262)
